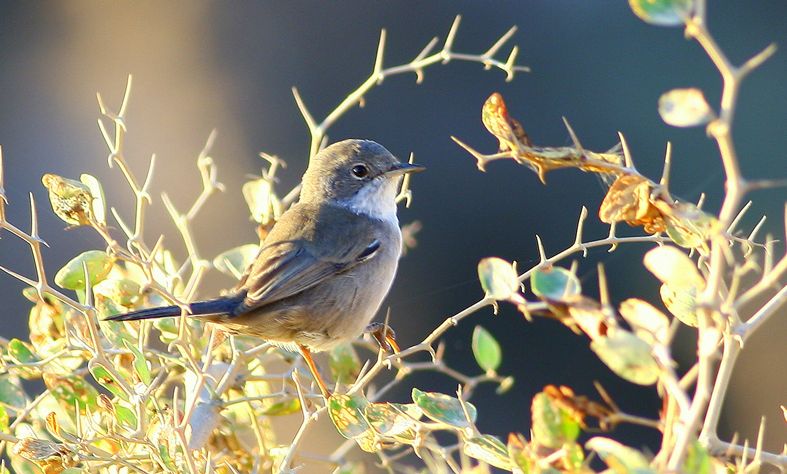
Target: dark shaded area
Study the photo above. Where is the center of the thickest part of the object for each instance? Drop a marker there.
(203, 65)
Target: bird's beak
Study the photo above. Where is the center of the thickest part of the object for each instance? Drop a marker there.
(402, 168)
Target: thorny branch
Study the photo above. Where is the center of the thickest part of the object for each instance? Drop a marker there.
(718, 300)
(423, 60)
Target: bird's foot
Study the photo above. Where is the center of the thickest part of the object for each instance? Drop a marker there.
(384, 335)
(307, 356)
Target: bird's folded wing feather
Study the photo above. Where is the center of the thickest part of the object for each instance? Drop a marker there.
(287, 267)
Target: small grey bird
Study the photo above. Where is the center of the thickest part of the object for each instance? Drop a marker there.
(323, 270)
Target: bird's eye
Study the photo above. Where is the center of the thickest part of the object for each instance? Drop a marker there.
(360, 171)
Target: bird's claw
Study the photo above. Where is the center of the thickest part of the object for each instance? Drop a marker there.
(384, 335)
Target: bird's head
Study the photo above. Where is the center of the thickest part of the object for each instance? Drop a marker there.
(359, 174)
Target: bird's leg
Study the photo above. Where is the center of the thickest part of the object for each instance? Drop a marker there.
(307, 356)
(384, 335)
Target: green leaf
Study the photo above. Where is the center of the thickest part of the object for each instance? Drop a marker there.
(346, 412)
(344, 363)
(3, 420)
(260, 199)
(673, 267)
(698, 461)
(621, 459)
(552, 426)
(234, 262)
(682, 303)
(97, 206)
(393, 419)
(690, 227)
(108, 381)
(368, 441)
(498, 278)
(519, 454)
(168, 328)
(69, 390)
(486, 350)
(163, 452)
(72, 275)
(444, 409)
(125, 416)
(662, 12)
(23, 466)
(488, 449)
(281, 408)
(684, 108)
(122, 291)
(648, 323)
(140, 363)
(117, 332)
(71, 200)
(11, 392)
(555, 284)
(628, 356)
(574, 457)
(21, 352)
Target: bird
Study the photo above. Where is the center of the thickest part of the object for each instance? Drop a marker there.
(326, 265)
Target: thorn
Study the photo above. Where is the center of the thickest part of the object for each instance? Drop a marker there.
(19, 277)
(148, 179)
(509, 66)
(432, 353)
(440, 350)
(88, 286)
(405, 193)
(626, 152)
(583, 214)
(431, 44)
(206, 149)
(756, 229)
(760, 437)
(108, 140)
(701, 201)
(33, 219)
(126, 97)
(419, 72)
(765, 184)
(307, 117)
(612, 236)
(101, 105)
(478, 156)
(574, 138)
(667, 165)
(2, 191)
(738, 218)
(767, 264)
(757, 60)
(378, 60)
(541, 254)
(120, 221)
(498, 44)
(449, 40)
(603, 288)
(733, 442)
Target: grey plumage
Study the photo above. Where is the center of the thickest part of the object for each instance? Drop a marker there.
(324, 269)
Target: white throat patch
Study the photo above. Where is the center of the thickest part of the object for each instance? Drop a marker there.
(376, 199)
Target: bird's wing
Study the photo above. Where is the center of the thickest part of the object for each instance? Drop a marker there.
(284, 268)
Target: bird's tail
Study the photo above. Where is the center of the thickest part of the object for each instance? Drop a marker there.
(224, 305)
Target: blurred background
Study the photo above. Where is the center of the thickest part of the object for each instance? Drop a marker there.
(204, 65)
